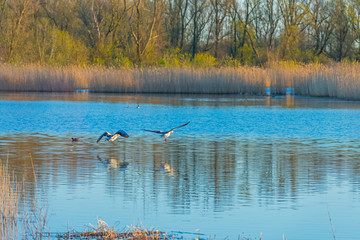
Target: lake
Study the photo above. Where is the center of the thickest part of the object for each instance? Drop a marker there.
(244, 166)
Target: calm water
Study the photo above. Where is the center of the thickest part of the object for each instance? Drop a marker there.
(243, 166)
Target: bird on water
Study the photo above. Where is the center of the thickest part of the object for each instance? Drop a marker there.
(111, 137)
(166, 134)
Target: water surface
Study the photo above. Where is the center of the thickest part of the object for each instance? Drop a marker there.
(243, 166)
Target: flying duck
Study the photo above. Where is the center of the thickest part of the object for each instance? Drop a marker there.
(112, 137)
(166, 134)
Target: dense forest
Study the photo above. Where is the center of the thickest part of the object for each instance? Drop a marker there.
(178, 32)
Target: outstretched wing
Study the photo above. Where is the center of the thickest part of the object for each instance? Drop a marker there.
(155, 131)
(104, 134)
(122, 133)
(179, 126)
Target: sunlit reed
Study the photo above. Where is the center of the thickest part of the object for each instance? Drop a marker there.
(339, 80)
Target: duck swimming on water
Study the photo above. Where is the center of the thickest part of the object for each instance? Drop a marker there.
(112, 137)
(166, 134)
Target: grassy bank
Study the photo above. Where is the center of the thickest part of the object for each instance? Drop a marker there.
(339, 80)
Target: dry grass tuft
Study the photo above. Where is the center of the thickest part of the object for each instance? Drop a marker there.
(103, 231)
(35, 223)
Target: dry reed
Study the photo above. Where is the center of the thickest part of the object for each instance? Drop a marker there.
(14, 214)
(9, 204)
(103, 231)
(339, 80)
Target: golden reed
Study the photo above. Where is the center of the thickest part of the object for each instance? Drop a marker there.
(340, 80)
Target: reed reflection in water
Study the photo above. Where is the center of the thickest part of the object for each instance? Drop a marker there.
(227, 180)
(186, 100)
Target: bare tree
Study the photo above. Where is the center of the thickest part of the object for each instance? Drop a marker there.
(321, 25)
(200, 19)
(355, 24)
(219, 9)
(183, 6)
(234, 16)
(19, 10)
(293, 16)
(102, 20)
(142, 22)
(60, 12)
(341, 29)
(270, 19)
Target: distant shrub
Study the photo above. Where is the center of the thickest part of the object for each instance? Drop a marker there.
(204, 60)
(323, 59)
(122, 61)
(67, 50)
(229, 62)
(171, 58)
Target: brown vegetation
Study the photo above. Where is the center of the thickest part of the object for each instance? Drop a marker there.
(103, 231)
(338, 80)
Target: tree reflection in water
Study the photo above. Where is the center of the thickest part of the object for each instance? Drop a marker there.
(219, 173)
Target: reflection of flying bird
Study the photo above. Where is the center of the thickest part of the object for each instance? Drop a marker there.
(113, 163)
(112, 137)
(166, 134)
(167, 167)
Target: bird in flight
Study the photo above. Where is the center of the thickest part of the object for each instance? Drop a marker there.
(75, 139)
(112, 137)
(166, 134)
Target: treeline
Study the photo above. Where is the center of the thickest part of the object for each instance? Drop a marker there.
(178, 32)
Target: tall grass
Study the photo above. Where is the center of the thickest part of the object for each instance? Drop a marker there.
(339, 80)
(9, 204)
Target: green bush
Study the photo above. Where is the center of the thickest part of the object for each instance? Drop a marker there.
(204, 60)
(171, 58)
(66, 50)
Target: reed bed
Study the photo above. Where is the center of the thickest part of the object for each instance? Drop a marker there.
(340, 80)
(9, 204)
